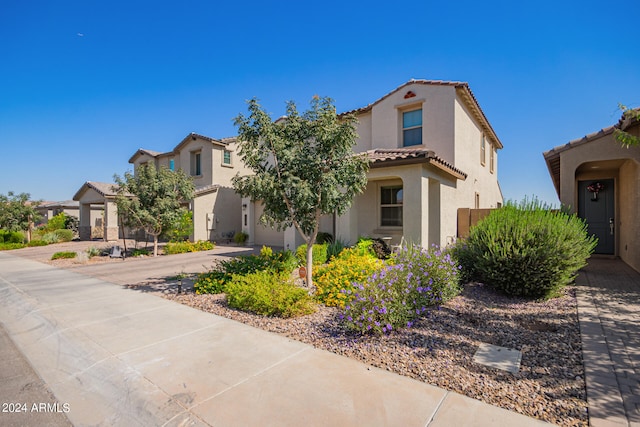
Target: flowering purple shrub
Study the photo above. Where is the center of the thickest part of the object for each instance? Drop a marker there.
(397, 295)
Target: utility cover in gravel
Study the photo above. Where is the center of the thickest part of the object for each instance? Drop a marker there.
(503, 358)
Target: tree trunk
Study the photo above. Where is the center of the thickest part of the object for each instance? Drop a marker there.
(155, 245)
(309, 264)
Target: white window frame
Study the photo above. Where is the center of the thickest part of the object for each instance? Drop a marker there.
(196, 163)
(403, 129)
(392, 205)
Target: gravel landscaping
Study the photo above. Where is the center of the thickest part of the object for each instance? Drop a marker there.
(439, 348)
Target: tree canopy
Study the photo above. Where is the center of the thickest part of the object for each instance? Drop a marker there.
(152, 199)
(625, 138)
(304, 166)
(17, 213)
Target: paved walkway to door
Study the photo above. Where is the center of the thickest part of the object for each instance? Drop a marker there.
(609, 313)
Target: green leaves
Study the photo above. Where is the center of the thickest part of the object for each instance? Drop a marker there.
(304, 165)
(152, 198)
(626, 139)
(16, 212)
(526, 249)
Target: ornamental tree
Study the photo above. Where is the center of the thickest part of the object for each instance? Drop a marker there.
(304, 166)
(153, 199)
(17, 213)
(625, 138)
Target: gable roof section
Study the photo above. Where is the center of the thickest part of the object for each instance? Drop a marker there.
(386, 157)
(105, 189)
(552, 157)
(463, 90)
(190, 137)
(194, 136)
(141, 152)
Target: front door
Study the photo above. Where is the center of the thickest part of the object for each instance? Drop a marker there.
(596, 206)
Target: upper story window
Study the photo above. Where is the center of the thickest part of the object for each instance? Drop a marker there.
(412, 128)
(172, 164)
(196, 163)
(483, 150)
(226, 157)
(391, 206)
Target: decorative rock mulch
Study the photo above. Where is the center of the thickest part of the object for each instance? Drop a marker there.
(439, 348)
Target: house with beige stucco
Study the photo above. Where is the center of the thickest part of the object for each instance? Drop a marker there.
(599, 180)
(432, 150)
(216, 207)
(211, 163)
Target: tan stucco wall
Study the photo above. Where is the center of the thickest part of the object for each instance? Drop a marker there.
(626, 180)
(629, 204)
(216, 215)
(382, 126)
(468, 137)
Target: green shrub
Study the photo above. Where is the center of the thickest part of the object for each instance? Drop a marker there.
(57, 222)
(11, 237)
(213, 281)
(341, 273)
(335, 248)
(140, 252)
(37, 243)
(240, 237)
(11, 246)
(318, 254)
(210, 282)
(64, 235)
(50, 238)
(323, 237)
(400, 293)
(93, 251)
(184, 247)
(268, 294)
(526, 250)
(63, 255)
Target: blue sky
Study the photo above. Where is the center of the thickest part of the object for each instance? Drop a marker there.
(84, 84)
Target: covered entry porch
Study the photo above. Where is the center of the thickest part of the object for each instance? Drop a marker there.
(96, 224)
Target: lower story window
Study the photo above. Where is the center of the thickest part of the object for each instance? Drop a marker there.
(391, 206)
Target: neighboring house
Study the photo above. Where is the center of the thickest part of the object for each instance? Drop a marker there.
(98, 211)
(50, 209)
(432, 151)
(212, 163)
(600, 180)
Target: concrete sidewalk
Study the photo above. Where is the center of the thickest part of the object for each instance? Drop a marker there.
(115, 356)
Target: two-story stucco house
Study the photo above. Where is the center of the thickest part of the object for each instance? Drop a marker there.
(432, 151)
(212, 163)
(599, 180)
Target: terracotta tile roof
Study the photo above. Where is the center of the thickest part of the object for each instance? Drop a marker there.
(383, 157)
(463, 90)
(206, 189)
(552, 157)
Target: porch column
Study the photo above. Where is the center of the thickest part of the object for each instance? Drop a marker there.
(84, 229)
(110, 221)
(415, 209)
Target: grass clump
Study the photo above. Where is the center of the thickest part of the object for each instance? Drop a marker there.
(268, 294)
(63, 255)
(525, 249)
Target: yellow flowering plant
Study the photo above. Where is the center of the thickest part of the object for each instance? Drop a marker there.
(340, 274)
